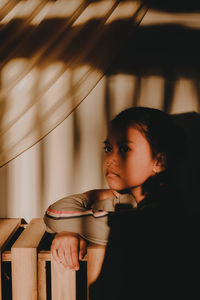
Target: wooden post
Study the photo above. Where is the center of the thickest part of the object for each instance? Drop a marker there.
(95, 258)
(63, 282)
(24, 261)
(7, 228)
(43, 257)
(42, 280)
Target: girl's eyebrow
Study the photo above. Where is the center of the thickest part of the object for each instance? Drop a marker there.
(121, 142)
(127, 142)
(107, 142)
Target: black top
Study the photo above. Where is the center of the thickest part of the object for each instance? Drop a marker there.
(152, 252)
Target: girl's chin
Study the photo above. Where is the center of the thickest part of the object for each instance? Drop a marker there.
(119, 189)
(117, 185)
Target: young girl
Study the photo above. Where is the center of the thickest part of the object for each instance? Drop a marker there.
(140, 155)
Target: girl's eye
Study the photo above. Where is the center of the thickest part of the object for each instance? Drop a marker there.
(124, 149)
(107, 149)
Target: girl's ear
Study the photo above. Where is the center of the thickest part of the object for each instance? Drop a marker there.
(160, 163)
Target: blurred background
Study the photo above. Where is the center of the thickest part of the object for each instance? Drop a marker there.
(67, 68)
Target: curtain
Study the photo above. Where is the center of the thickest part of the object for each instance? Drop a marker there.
(52, 55)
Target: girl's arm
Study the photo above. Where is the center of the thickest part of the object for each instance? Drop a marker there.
(72, 219)
(86, 214)
(78, 214)
(80, 218)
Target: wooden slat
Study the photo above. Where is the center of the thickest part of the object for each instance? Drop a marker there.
(7, 228)
(95, 258)
(6, 256)
(24, 261)
(63, 282)
(42, 295)
(45, 255)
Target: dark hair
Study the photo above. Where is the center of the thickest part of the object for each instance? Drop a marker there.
(160, 131)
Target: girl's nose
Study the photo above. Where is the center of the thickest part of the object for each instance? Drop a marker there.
(112, 159)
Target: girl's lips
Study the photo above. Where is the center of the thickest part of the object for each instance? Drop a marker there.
(112, 174)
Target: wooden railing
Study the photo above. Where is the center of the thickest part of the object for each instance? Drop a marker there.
(28, 271)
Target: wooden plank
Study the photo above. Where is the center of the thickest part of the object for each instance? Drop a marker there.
(7, 228)
(63, 282)
(6, 256)
(95, 258)
(24, 261)
(42, 295)
(45, 255)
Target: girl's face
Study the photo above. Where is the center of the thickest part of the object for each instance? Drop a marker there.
(128, 160)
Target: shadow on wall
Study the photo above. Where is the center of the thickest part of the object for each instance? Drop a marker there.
(31, 45)
(169, 51)
(174, 5)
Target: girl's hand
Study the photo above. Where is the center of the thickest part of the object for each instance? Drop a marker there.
(68, 248)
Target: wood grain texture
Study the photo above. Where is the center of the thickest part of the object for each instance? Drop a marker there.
(63, 282)
(95, 258)
(24, 261)
(42, 295)
(7, 228)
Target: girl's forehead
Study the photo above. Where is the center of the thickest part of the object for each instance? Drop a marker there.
(123, 133)
(114, 131)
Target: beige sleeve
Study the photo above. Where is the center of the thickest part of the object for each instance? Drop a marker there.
(74, 214)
